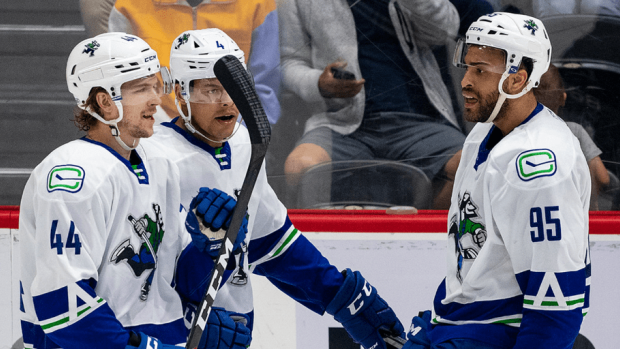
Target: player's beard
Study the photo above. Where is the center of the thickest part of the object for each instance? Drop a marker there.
(486, 105)
(137, 130)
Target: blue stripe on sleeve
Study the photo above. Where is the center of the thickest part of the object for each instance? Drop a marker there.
(264, 63)
(55, 303)
(572, 283)
(476, 311)
(304, 274)
(97, 330)
(258, 248)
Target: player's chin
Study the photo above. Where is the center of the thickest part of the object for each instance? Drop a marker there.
(471, 114)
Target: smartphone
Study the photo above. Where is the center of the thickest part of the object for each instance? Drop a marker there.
(342, 74)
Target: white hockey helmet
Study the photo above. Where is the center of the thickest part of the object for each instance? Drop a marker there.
(108, 60)
(192, 57)
(518, 36)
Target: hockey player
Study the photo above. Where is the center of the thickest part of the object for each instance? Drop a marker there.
(99, 225)
(212, 149)
(518, 264)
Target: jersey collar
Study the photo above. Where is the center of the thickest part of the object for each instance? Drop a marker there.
(538, 109)
(495, 135)
(221, 155)
(135, 164)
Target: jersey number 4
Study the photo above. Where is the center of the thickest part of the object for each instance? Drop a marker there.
(73, 240)
(539, 222)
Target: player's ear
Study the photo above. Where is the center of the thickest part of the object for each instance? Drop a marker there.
(177, 94)
(105, 103)
(517, 81)
(563, 99)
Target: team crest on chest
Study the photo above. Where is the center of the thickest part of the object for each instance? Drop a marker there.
(468, 233)
(150, 231)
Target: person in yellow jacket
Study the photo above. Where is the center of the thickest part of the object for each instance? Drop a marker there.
(252, 24)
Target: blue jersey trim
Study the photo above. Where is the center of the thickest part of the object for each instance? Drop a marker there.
(538, 109)
(258, 248)
(55, 303)
(572, 283)
(99, 330)
(221, 155)
(500, 335)
(476, 311)
(133, 158)
(487, 144)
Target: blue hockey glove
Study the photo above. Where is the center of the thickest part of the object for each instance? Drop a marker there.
(209, 216)
(226, 330)
(417, 336)
(362, 312)
(141, 341)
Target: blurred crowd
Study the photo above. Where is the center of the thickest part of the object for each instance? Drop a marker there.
(364, 101)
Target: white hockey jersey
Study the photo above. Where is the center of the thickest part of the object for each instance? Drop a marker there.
(99, 240)
(302, 273)
(518, 269)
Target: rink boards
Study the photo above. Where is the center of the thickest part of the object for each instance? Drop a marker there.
(403, 256)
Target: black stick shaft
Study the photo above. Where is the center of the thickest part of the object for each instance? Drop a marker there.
(239, 86)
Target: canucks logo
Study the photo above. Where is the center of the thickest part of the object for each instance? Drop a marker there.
(181, 40)
(91, 48)
(69, 178)
(531, 25)
(468, 233)
(150, 232)
(532, 164)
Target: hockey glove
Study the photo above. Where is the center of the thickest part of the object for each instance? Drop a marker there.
(226, 330)
(141, 341)
(417, 337)
(362, 312)
(208, 219)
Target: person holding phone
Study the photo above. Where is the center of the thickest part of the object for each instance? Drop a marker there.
(370, 66)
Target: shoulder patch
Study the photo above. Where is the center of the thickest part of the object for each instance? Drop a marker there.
(536, 163)
(66, 178)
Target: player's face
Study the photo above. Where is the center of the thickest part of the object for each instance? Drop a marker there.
(481, 80)
(140, 100)
(216, 118)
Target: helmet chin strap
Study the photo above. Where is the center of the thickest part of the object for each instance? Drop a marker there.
(116, 133)
(187, 119)
(503, 95)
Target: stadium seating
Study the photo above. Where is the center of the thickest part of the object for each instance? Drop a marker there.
(36, 109)
(366, 183)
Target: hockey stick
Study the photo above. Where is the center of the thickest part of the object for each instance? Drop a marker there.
(240, 87)
(391, 341)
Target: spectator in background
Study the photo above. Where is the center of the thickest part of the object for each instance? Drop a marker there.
(549, 8)
(252, 24)
(95, 15)
(394, 106)
(551, 94)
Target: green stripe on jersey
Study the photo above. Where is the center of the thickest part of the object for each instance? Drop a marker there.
(65, 319)
(286, 242)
